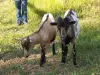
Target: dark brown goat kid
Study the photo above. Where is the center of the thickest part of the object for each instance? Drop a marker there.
(69, 29)
(44, 36)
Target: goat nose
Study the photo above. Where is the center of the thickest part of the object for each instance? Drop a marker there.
(63, 38)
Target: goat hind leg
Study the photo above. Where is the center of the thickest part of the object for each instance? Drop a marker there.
(74, 55)
(53, 48)
(43, 58)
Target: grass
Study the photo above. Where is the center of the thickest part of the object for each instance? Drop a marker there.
(12, 61)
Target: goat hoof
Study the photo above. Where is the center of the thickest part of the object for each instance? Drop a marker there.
(55, 54)
(41, 64)
(62, 62)
(26, 56)
(75, 65)
(44, 61)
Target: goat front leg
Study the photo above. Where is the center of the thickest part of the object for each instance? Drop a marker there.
(64, 53)
(74, 55)
(43, 58)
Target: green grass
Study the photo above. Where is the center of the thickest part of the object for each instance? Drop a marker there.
(88, 43)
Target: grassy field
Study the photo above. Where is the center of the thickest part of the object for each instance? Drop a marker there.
(12, 61)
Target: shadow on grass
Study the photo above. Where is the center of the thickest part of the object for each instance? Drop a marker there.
(87, 48)
(13, 28)
(2, 0)
(40, 12)
(7, 22)
(10, 52)
(4, 21)
(36, 10)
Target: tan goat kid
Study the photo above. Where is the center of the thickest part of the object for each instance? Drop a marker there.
(45, 35)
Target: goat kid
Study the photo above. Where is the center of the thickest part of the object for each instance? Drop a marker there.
(69, 30)
(45, 35)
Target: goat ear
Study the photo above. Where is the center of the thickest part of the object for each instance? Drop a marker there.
(53, 23)
(72, 22)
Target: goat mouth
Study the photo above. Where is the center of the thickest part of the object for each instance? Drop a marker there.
(62, 38)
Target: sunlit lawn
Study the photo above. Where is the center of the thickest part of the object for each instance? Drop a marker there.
(12, 61)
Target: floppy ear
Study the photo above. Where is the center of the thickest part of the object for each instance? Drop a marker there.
(53, 23)
(72, 22)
